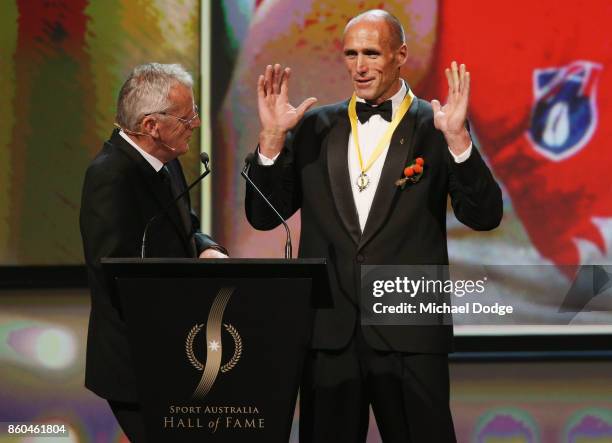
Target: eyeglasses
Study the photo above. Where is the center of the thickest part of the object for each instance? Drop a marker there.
(187, 122)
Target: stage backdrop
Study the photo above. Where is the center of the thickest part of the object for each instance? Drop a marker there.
(540, 107)
(62, 63)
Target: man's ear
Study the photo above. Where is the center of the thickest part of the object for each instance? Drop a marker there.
(402, 55)
(149, 126)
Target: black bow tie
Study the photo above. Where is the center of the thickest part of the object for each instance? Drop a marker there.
(365, 111)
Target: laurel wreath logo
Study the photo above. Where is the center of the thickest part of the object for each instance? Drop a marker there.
(194, 360)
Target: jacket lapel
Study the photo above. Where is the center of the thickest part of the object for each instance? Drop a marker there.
(337, 167)
(183, 204)
(401, 148)
(158, 189)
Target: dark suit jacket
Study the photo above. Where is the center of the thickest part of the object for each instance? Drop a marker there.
(404, 226)
(121, 193)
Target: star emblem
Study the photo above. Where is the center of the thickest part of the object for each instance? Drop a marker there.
(213, 345)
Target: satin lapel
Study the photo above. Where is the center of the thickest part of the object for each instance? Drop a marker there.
(337, 167)
(401, 148)
(156, 186)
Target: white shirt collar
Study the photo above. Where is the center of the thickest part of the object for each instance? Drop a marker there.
(153, 161)
(397, 98)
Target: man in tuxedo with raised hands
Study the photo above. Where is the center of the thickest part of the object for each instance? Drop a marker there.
(336, 165)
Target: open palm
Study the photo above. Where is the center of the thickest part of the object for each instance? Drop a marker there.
(275, 112)
(450, 118)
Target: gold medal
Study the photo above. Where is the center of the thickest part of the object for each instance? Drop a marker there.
(363, 181)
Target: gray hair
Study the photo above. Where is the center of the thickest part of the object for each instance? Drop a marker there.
(146, 91)
(398, 36)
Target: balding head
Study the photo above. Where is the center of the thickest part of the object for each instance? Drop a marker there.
(396, 31)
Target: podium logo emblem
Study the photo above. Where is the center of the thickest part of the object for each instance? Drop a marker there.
(214, 348)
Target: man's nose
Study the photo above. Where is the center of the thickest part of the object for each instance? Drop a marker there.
(362, 66)
(196, 123)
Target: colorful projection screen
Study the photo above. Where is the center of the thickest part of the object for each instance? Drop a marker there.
(61, 66)
(540, 109)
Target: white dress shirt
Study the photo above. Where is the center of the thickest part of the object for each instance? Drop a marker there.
(369, 134)
(153, 161)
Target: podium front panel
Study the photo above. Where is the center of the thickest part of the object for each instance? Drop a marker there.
(217, 359)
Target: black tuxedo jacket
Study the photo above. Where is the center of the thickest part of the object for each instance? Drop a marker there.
(121, 193)
(403, 227)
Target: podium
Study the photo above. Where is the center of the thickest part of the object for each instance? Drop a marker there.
(218, 345)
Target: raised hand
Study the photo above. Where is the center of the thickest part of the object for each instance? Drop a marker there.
(450, 118)
(276, 114)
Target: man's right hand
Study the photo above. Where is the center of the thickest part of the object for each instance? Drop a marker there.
(276, 114)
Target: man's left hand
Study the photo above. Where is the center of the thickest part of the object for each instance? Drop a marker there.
(212, 253)
(450, 118)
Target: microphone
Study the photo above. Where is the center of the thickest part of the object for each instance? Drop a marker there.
(248, 161)
(204, 158)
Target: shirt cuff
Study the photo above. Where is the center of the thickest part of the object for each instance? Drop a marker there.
(461, 157)
(265, 161)
(218, 248)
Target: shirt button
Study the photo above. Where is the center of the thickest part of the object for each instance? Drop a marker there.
(360, 258)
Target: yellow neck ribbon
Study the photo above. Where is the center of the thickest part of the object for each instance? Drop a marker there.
(386, 138)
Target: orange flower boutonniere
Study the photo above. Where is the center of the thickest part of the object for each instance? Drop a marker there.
(412, 173)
